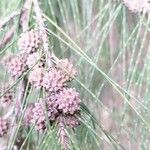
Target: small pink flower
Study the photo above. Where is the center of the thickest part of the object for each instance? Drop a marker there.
(36, 77)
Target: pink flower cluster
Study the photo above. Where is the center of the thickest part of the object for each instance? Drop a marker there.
(28, 57)
(60, 100)
(61, 103)
(138, 5)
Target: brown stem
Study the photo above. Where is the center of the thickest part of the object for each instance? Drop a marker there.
(8, 19)
(7, 38)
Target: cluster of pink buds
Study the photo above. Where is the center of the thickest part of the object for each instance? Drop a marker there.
(35, 68)
(60, 100)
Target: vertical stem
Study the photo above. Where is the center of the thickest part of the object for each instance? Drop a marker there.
(42, 32)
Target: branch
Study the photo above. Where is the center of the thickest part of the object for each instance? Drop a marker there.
(7, 38)
(8, 19)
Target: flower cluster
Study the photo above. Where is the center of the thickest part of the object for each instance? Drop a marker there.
(28, 57)
(16, 65)
(61, 103)
(138, 5)
(60, 98)
(29, 41)
(35, 67)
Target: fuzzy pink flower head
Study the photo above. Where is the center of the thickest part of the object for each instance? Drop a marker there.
(67, 69)
(52, 108)
(28, 114)
(42, 109)
(68, 101)
(36, 77)
(16, 65)
(138, 5)
(8, 96)
(35, 58)
(53, 80)
(38, 116)
(29, 41)
(3, 127)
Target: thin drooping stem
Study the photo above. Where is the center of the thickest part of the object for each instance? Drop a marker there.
(62, 135)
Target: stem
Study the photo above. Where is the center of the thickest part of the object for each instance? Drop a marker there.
(42, 32)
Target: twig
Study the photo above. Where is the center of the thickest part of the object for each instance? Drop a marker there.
(8, 36)
(8, 19)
